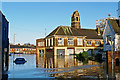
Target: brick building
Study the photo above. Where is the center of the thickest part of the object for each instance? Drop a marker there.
(67, 40)
(24, 49)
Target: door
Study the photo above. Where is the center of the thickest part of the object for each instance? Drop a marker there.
(60, 51)
(70, 51)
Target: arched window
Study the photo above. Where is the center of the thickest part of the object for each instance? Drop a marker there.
(76, 18)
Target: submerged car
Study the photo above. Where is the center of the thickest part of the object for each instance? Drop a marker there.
(20, 61)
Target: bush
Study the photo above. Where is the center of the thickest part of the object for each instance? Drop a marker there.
(82, 56)
(91, 58)
(98, 57)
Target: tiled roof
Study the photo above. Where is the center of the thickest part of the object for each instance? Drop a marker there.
(115, 26)
(70, 31)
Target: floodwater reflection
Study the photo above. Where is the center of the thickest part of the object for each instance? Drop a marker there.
(69, 66)
(47, 66)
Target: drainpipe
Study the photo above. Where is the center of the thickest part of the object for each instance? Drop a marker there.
(111, 43)
(112, 58)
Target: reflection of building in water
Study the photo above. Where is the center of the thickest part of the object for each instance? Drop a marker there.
(66, 40)
(57, 61)
(61, 64)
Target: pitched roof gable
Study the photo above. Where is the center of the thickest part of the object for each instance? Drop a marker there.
(114, 25)
(70, 31)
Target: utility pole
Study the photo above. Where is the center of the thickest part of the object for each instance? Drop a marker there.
(111, 43)
(14, 38)
(14, 54)
(112, 58)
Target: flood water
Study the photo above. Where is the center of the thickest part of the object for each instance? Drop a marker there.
(59, 66)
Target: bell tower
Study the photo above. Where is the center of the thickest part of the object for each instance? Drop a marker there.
(75, 20)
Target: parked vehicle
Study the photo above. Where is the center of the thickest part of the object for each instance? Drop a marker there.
(20, 61)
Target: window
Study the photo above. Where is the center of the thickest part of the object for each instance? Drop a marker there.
(60, 41)
(88, 42)
(40, 43)
(108, 38)
(97, 43)
(46, 42)
(70, 41)
(79, 41)
(52, 41)
(77, 18)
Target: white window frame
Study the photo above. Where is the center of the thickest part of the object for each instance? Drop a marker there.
(97, 43)
(108, 37)
(60, 41)
(90, 43)
(79, 41)
(41, 43)
(46, 42)
(51, 41)
(70, 41)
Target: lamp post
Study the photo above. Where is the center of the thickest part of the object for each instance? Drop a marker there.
(111, 44)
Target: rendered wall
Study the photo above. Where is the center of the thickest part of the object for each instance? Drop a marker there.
(117, 42)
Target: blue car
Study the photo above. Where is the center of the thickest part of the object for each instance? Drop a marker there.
(20, 61)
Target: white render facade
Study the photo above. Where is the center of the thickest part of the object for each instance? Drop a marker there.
(117, 42)
(115, 37)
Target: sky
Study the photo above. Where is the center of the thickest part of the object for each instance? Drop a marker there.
(28, 20)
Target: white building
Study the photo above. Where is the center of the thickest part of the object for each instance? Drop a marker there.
(112, 32)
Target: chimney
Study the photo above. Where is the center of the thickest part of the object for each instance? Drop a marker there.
(98, 31)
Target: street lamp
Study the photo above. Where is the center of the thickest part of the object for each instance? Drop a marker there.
(111, 44)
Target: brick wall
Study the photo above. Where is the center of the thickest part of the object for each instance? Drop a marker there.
(116, 54)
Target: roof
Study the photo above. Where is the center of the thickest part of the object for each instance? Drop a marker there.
(115, 25)
(21, 46)
(75, 13)
(71, 31)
